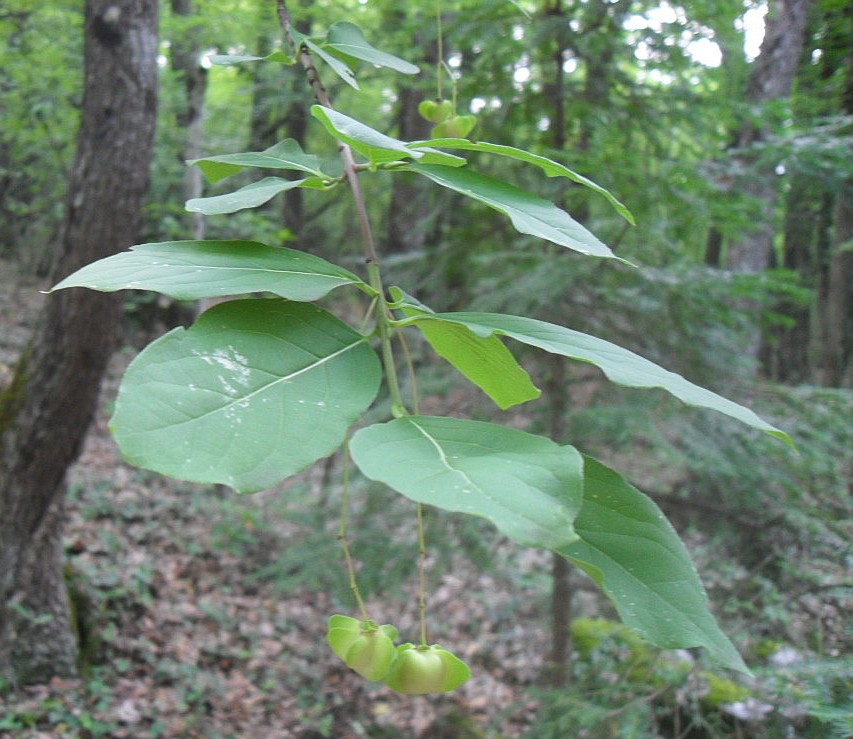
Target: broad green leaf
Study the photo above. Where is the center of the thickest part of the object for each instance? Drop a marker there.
(190, 270)
(485, 361)
(376, 146)
(347, 39)
(529, 214)
(629, 548)
(338, 66)
(619, 365)
(527, 485)
(250, 196)
(548, 166)
(229, 59)
(285, 154)
(253, 392)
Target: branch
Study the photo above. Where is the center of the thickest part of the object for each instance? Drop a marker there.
(322, 97)
(383, 316)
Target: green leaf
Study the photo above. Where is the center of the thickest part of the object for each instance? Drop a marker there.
(529, 214)
(347, 39)
(527, 485)
(190, 270)
(629, 548)
(548, 166)
(376, 146)
(620, 365)
(250, 196)
(485, 361)
(338, 66)
(285, 154)
(230, 59)
(252, 393)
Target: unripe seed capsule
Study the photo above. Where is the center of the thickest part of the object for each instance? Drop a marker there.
(421, 670)
(435, 111)
(362, 645)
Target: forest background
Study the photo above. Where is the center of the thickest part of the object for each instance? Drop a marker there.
(734, 158)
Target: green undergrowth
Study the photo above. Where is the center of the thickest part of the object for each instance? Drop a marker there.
(621, 686)
(229, 579)
(231, 558)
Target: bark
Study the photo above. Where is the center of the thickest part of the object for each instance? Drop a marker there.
(836, 289)
(293, 201)
(558, 396)
(817, 346)
(561, 573)
(280, 104)
(186, 60)
(714, 247)
(786, 354)
(771, 78)
(410, 204)
(46, 410)
(837, 370)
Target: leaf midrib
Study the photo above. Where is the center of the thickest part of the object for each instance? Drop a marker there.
(261, 389)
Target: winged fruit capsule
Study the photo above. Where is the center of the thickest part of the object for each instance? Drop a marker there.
(426, 669)
(435, 111)
(362, 645)
(457, 127)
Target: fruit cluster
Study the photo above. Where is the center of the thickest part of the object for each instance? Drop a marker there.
(414, 670)
(447, 124)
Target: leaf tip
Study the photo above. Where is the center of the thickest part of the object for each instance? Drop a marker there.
(782, 436)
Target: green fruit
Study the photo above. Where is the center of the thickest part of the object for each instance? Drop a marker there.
(362, 645)
(421, 670)
(435, 111)
(457, 127)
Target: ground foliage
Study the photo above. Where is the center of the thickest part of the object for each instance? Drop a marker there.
(202, 614)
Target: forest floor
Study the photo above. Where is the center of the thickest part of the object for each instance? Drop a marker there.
(206, 612)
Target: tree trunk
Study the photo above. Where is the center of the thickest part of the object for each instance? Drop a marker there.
(771, 78)
(186, 60)
(46, 410)
(837, 370)
(786, 353)
(816, 347)
(409, 208)
(280, 103)
(835, 299)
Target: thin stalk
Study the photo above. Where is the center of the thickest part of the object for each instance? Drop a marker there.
(410, 368)
(398, 407)
(440, 39)
(367, 314)
(422, 574)
(342, 538)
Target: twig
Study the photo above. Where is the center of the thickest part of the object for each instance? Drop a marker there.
(383, 317)
(422, 574)
(322, 97)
